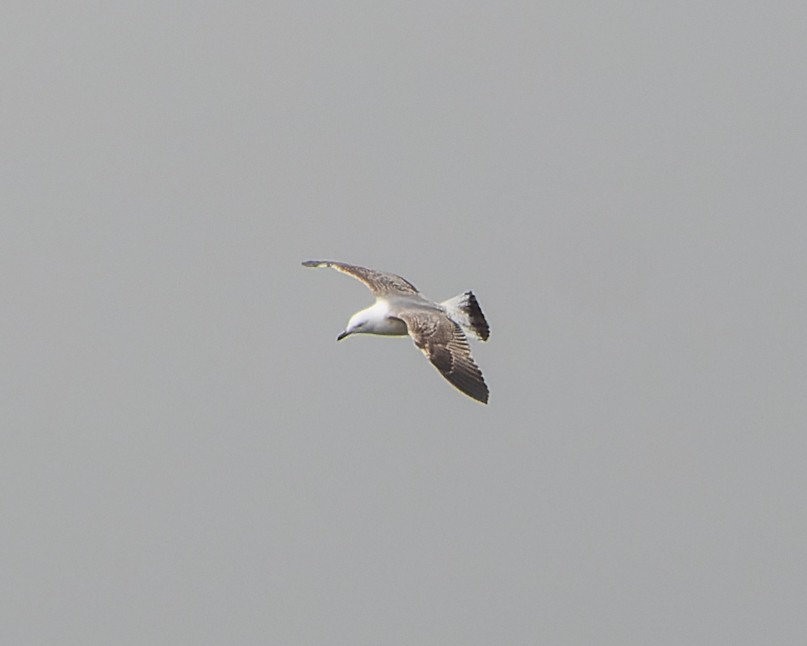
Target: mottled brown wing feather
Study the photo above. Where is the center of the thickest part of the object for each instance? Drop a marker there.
(380, 283)
(446, 346)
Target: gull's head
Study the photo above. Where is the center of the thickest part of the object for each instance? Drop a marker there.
(355, 325)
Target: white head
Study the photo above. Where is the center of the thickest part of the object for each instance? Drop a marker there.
(358, 323)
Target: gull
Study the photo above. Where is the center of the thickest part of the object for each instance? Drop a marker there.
(438, 329)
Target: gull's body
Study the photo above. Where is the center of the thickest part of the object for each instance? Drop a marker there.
(438, 329)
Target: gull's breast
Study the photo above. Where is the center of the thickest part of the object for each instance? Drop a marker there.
(392, 327)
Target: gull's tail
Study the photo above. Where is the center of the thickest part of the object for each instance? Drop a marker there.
(464, 310)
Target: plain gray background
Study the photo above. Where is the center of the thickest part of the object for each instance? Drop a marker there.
(189, 457)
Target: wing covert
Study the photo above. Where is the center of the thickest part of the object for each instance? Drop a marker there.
(380, 283)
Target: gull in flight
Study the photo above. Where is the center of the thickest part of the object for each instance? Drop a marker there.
(438, 329)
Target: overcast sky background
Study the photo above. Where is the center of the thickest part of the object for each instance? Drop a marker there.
(189, 457)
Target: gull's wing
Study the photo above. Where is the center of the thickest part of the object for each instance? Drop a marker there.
(445, 345)
(380, 284)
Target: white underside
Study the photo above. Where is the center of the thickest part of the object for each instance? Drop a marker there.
(376, 319)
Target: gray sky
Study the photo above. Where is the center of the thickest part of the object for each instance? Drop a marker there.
(188, 456)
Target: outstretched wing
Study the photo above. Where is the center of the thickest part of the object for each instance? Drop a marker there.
(446, 346)
(380, 283)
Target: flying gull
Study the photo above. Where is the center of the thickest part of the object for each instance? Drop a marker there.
(438, 329)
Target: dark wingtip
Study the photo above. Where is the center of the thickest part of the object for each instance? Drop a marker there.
(476, 393)
(483, 396)
(469, 382)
